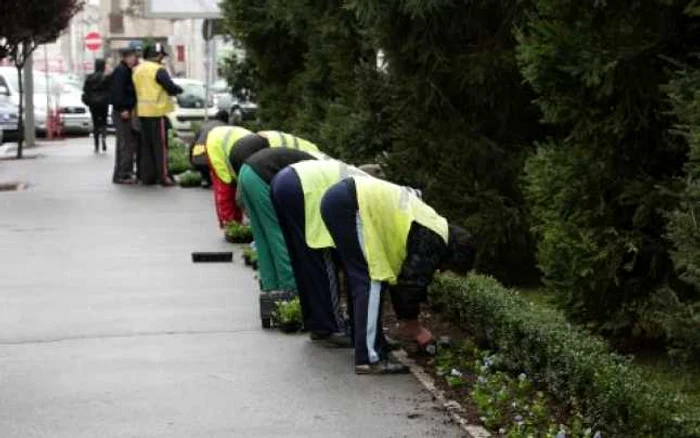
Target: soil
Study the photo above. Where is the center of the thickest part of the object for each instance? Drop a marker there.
(441, 328)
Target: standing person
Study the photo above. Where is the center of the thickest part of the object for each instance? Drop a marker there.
(154, 91)
(198, 148)
(96, 95)
(123, 112)
(385, 234)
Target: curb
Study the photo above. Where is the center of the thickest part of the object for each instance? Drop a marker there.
(454, 409)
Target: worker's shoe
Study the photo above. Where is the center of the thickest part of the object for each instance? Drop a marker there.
(319, 336)
(386, 366)
(338, 340)
(167, 182)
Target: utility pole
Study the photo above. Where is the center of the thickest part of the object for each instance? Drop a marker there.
(29, 122)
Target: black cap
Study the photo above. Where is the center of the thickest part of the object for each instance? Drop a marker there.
(126, 51)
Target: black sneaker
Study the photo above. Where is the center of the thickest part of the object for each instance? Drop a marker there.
(383, 367)
(319, 336)
(338, 340)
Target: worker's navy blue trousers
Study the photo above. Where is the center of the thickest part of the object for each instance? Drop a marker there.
(314, 269)
(340, 213)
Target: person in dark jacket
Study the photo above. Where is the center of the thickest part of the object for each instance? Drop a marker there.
(96, 94)
(155, 90)
(123, 114)
(198, 148)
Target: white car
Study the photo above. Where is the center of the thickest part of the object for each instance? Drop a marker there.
(50, 94)
(74, 113)
(192, 105)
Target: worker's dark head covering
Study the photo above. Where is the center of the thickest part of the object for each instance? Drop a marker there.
(245, 148)
(461, 251)
(152, 51)
(126, 51)
(100, 65)
(222, 116)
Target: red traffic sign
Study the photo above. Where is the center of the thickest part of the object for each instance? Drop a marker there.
(93, 41)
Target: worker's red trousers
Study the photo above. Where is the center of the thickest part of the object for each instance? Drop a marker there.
(225, 201)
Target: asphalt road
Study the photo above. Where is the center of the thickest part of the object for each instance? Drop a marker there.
(108, 330)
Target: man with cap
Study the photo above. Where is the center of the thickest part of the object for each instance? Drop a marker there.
(123, 101)
(387, 236)
(154, 92)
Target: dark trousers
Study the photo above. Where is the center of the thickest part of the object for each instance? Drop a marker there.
(314, 269)
(99, 125)
(339, 210)
(153, 166)
(127, 144)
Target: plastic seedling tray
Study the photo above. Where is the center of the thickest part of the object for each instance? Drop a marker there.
(212, 257)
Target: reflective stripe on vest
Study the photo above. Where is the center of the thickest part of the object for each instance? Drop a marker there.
(387, 212)
(316, 177)
(222, 145)
(279, 139)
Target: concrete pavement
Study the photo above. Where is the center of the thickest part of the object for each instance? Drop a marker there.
(108, 330)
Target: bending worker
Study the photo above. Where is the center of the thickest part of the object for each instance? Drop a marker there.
(296, 195)
(385, 234)
(255, 172)
(198, 148)
(221, 143)
(154, 91)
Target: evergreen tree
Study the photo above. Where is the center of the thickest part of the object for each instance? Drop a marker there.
(599, 188)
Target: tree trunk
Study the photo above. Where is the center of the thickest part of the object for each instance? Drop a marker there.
(20, 122)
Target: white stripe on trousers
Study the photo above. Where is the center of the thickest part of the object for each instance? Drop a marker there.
(374, 299)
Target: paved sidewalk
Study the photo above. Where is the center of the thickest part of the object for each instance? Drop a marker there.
(108, 330)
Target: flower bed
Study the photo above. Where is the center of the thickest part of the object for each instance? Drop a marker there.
(600, 389)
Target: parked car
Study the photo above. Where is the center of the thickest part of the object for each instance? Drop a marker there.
(240, 108)
(74, 113)
(50, 94)
(9, 117)
(192, 105)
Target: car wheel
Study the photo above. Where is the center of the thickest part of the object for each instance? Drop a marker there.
(236, 116)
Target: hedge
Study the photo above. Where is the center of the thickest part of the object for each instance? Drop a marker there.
(574, 366)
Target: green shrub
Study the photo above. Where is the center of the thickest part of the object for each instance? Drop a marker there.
(461, 120)
(288, 312)
(574, 366)
(190, 178)
(238, 233)
(600, 187)
(178, 155)
(679, 308)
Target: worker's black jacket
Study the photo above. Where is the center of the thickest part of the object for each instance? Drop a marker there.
(270, 161)
(123, 93)
(425, 250)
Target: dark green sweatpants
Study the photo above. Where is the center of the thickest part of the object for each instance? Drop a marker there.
(273, 258)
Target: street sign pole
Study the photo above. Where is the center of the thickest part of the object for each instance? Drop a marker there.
(208, 35)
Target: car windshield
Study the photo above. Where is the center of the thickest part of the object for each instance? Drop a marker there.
(39, 81)
(193, 89)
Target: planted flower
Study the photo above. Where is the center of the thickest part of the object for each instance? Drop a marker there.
(238, 233)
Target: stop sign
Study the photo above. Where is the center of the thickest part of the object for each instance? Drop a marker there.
(93, 41)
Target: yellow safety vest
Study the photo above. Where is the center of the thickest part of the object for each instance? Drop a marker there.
(152, 99)
(316, 177)
(220, 142)
(387, 212)
(279, 139)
